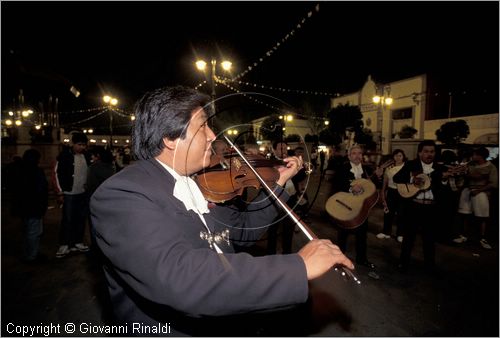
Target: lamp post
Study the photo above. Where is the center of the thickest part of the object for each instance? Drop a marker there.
(383, 101)
(110, 101)
(201, 65)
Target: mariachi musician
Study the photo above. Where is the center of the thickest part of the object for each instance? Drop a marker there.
(423, 206)
(348, 172)
(169, 260)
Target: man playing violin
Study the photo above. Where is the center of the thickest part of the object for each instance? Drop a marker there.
(424, 206)
(169, 257)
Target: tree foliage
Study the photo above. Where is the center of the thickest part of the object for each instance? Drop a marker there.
(365, 137)
(453, 132)
(345, 117)
(407, 132)
(272, 128)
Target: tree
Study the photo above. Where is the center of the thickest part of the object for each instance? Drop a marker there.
(407, 132)
(453, 132)
(272, 128)
(365, 137)
(345, 118)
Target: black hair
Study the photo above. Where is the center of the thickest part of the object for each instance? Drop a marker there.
(31, 157)
(448, 156)
(426, 143)
(164, 112)
(399, 151)
(482, 151)
(79, 138)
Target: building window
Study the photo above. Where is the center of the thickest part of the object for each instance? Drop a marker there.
(402, 114)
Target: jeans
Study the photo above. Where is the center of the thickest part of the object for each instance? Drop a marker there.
(33, 229)
(75, 211)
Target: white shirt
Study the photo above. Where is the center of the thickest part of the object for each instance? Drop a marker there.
(357, 170)
(427, 194)
(389, 173)
(79, 175)
(187, 191)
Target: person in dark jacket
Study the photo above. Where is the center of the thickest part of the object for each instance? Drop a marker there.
(348, 172)
(423, 208)
(30, 202)
(170, 261)
(70, 176)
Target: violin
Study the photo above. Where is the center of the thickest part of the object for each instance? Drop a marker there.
(226, 179)
(247, 172)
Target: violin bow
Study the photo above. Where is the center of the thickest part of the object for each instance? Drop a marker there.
(304, 228)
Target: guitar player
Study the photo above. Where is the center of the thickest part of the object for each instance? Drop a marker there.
(349, 171)
(423, 207)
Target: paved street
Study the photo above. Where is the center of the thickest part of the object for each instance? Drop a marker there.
(461, 301)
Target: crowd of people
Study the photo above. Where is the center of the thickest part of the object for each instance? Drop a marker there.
(169, 253)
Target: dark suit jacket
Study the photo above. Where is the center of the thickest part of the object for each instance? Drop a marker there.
(414, 167)
(160, 270)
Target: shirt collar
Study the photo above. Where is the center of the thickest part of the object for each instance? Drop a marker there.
(187, 191)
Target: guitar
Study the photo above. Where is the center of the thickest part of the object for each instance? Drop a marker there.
(351, 209)
(408, 190)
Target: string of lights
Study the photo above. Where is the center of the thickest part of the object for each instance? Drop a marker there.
(246, 95)
(277, 44)
(200, 84)
(82, 110)
(280, 89)
(85, 120)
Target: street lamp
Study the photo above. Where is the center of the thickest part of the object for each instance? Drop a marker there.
(201, 65)
(110, 101)
(383, 100)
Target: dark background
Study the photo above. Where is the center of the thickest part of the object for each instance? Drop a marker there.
(127, 48)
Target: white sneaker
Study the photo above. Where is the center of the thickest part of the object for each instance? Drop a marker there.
(80, 247)
(400, 239)
(460, 239)
(62, 251)
(381, 235)
(485, 244)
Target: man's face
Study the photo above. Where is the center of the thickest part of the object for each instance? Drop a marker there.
(79, 147)
(193, 152)
(427, 154)
(356, 156)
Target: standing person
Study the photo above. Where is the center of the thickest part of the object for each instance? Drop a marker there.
(101, 169)
(481, 181)
(349, 171)
(391, 200)
(322, 158)
(424, 206)
(70, 175)
(30, 202)
(280, 150)
(169, 258)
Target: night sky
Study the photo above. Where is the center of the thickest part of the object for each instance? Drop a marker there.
(127, 48)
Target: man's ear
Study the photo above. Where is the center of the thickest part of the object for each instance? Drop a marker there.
(170, 144)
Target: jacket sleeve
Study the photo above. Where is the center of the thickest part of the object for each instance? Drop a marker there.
(249, 224)
(147, 247)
